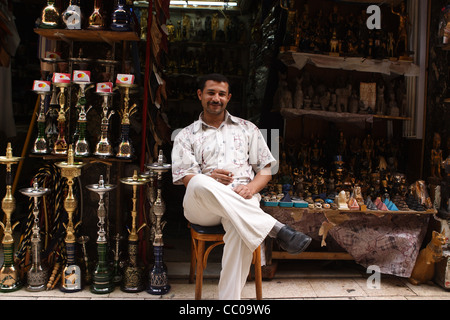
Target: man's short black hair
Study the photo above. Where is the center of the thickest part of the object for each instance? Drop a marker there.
(214, 77)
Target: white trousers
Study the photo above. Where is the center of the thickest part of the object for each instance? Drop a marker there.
(209, 203)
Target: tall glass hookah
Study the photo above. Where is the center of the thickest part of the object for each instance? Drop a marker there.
(102, 277)
(103, 147)
(71, 279)
(81, 144)
(37, 274)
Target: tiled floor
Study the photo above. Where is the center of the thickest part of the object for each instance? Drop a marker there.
(300, 280)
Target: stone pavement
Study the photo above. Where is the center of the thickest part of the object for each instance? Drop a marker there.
(300, 280)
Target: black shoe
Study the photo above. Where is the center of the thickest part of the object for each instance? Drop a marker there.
(292, 241)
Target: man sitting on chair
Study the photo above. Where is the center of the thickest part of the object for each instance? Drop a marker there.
(224, 162)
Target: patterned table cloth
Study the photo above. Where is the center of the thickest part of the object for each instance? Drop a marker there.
(389, 240)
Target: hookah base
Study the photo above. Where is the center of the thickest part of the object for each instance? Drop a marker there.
(120, 27)
(71, 280)
(69, 290)
(133, 280)
(33, 288)
(103, 151)
(11, 288)
(158, 283)
(128, 289)
(9, 279)
(158, 290)
(102, 288)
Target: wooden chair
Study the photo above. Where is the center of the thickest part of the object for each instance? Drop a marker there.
(199, 256)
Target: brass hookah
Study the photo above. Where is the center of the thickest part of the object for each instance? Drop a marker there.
(81, 144)
(60, 146)
(40, 145)
(151, 197)
(103, 147)
(9, 277)
(133, 273)
(96, 20)
(158, 280)
(125, 150)
(71, 278)
(102, 277)
(50, 16)
(37, 274)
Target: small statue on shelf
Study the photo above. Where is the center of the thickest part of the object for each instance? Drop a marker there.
(170, 31)
(214, 26)
(298, 96)
(404, 23)
(393, 109)
(343, 95)
(291, 26)
(334, 44)
(381, 103)
(436, 156)
(186, 27)
(353, 102)
(444, 25)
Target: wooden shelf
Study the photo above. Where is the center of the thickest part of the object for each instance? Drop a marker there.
(290, 113)
(87, 35)
(300, 59)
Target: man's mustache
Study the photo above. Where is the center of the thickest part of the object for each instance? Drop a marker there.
(215, 103)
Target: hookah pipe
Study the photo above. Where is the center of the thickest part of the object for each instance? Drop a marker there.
(81, 145)
(158, 280)
(102, 275)
(40, 144)
(125, 149)
(60, 146)
(36, 275)
(9, 280)
(133, 274)
(70, 170)
(103, 147)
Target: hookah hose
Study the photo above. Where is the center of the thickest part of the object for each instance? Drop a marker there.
(48, 176)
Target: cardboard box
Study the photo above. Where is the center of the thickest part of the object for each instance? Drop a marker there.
(125, 78)
(39, 85)
(61, 78)
(106, 87)
(81, 76)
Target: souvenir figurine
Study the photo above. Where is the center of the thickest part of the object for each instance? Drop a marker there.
(404, 24)
(436, 156)
(291, 26)
(444, 25)
(342, 201)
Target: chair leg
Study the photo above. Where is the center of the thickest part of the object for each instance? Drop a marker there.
(193, 260)
(199, 274)
(258, 274)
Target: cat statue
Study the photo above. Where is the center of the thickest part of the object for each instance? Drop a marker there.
(424, 268)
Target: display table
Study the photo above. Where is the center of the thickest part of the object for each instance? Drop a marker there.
(390, 240)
